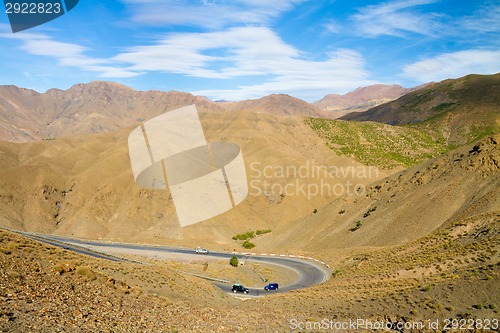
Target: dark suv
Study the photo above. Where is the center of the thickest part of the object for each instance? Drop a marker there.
(240, 288)
(271, 286)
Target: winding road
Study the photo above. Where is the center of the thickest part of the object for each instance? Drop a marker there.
(309, 272)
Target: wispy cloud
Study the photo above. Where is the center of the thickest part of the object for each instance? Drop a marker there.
(235, 53)
(485, 20)
(248, 51)
(332, 27)
(207, 14)
(454, 65)
(67, 54)
(396, 18)
(223, 54)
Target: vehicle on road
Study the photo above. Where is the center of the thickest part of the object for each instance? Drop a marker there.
(240, 288)
(201, 250)
(271, 286)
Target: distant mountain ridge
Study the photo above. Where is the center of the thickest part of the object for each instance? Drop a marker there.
(361, 99)
(458, 111)
(26, 115)
(277, 104)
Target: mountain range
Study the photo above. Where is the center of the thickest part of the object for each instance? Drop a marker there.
(361, 99)
(458, 111)
(401, 201)
(26, 115)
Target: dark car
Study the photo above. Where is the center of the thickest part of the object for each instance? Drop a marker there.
(240, 288)
(271, 286)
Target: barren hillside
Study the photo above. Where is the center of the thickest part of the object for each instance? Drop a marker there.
(283, 105)
(463, 185)
(83, 186)
(360, 99)
(456, 111)
(46, 289)
(96, 107)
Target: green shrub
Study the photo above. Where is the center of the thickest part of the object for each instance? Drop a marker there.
(368, 212)
(249, 235)
(358, 225)
(245, 236)
(248, 245)
(234, 261)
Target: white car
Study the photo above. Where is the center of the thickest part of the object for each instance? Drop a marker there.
(201, 250)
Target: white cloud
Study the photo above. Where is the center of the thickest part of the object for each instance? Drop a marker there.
(208, 14)
(67, 54)
(454, 65)
(485, 20)
(223, 54)
(395, 18)
(236, 53)
(332, 27)
(248, 51)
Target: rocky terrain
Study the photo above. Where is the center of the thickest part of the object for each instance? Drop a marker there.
(462, 185)
(96, 107)
(411, 232)
(457, 111)
(83, 186)
(46, 289)
(361, 99)
(281, 105)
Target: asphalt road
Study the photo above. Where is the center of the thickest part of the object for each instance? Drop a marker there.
(309, 272)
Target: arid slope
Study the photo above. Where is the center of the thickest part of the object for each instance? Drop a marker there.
(461, 185)
(83, 186)
(96, 107)
(276, 104)
(361, 99)
(456, 111)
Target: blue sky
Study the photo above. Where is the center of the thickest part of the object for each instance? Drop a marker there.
(243, 49)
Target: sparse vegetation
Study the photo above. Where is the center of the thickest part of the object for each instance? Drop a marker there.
(245, 237)
(356, 227)
(248, 245)
(336, 273)
(378, 144)
(234, 261)
(369, 211)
